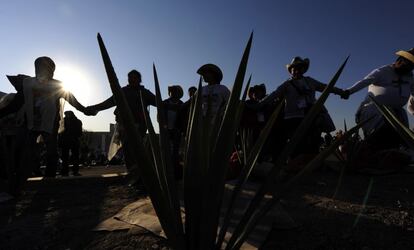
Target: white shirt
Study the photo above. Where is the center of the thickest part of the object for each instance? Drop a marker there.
(41, 103)
(388, 88)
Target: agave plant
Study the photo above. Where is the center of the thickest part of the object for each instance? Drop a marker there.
(405, 133)
(207, 151)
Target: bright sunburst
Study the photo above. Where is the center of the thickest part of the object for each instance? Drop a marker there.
(75, 81)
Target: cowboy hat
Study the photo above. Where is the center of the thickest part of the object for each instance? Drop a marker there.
(176, 88)
(409, 54)
(298, 61)
(211, 68)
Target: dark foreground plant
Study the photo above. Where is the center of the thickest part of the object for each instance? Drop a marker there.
(405, 133)
(207, 150)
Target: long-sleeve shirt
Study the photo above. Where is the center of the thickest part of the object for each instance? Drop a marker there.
(387, 86)
(298, 94)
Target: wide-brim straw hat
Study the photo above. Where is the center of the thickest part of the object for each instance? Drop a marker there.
(211, 68)
(177, 88)
(296, 61)
(409, 54)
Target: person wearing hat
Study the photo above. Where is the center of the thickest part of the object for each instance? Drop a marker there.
(38, 102)
(133, 92)
(298, 93)
(215, 95)
(69, 141)
(173, 106)
(391, 85)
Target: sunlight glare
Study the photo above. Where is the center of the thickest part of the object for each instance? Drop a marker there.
(75, 81)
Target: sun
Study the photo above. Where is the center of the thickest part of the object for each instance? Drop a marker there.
(75, 81)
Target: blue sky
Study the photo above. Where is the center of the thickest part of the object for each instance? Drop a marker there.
(179, 36)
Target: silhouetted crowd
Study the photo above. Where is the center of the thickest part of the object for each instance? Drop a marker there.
(35, 114)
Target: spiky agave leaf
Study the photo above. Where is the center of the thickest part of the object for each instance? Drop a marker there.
(139, 152)
(290, 184)
(243, 134)
(168, 177)
(345, 127)
(193, 179)
(246, 171)
(298, 135)
(215, 180)
(405, 133)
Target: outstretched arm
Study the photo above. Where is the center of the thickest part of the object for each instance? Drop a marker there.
(74, 102)
(371, 78)
(275, 96)
(108, 103)
(360, 85)
(321, 87)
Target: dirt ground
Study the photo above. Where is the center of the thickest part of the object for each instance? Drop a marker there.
(368, 212)
(61, 213)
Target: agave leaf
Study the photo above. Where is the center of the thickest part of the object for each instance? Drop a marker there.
(214, 187)
(243, 133)
(139, 152)
(345, 127)
(290, 184)
(155, 147)
(167, 178)
(246, 171)
(295, 140)
(190, 118)
(193, 181)
(406, 134)
(244, 146)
